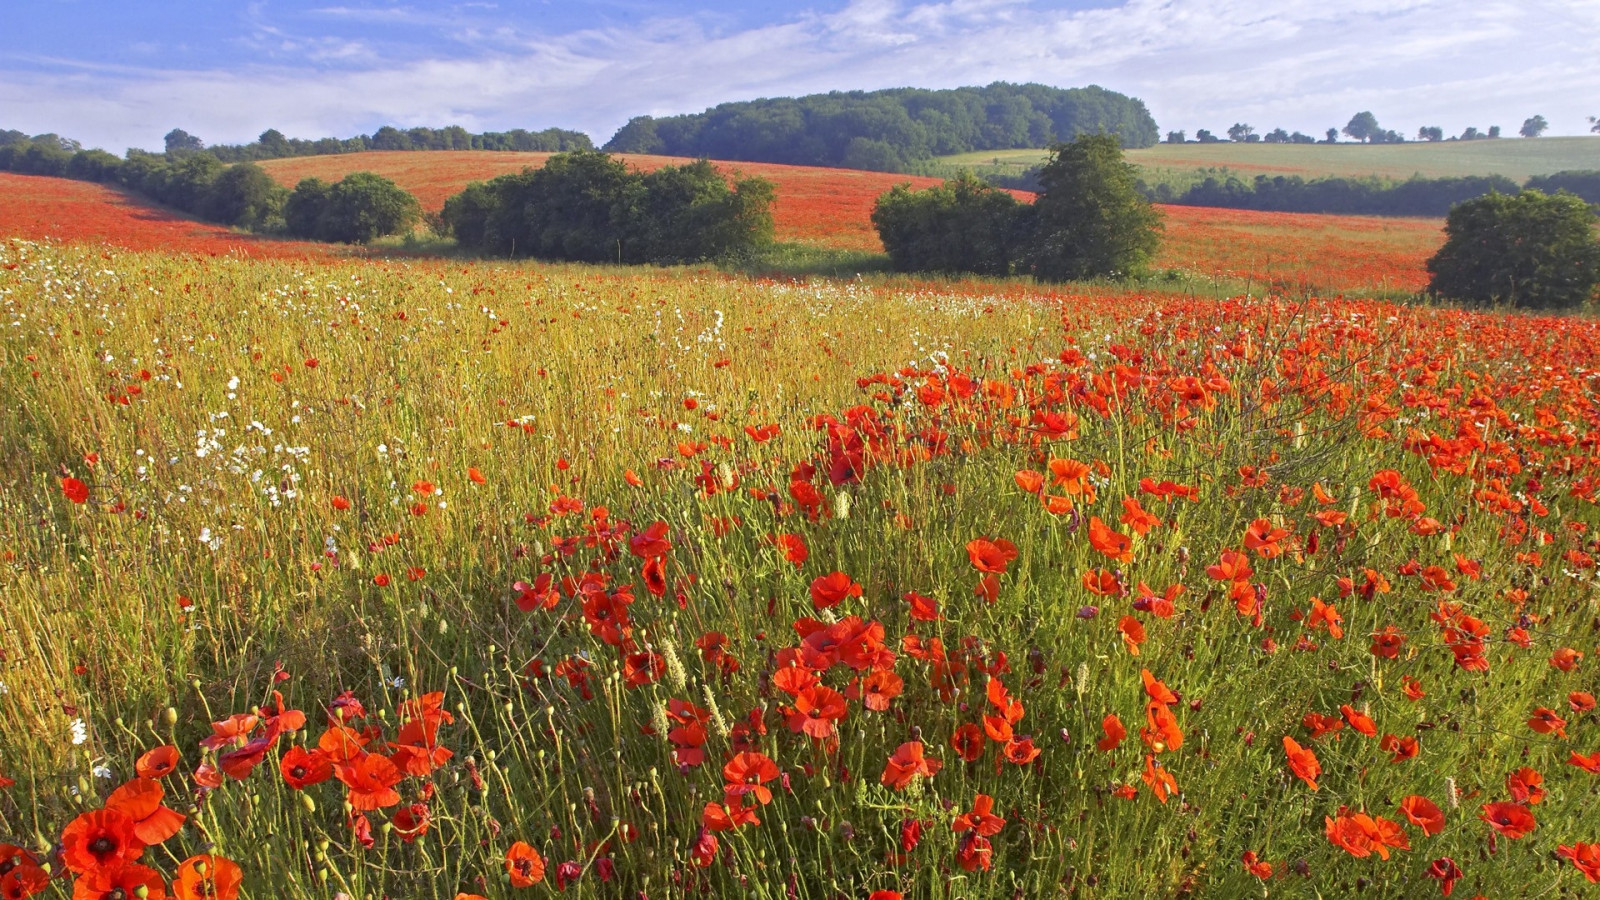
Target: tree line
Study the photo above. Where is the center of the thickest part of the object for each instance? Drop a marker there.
(1088, 221)
(587, 206)
(273, 145)
(1371, 196)
(360, 207)
(890, 130)
(1430, 197)
(1363, 127)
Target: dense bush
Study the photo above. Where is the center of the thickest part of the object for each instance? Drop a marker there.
(1585, 184)
(963, 225)
(887, 130)
(1345, 196)
(1531, 249)
(1089, 221)
(589, 207)
(358, 208)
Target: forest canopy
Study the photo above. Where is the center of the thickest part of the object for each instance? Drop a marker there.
(891, 129)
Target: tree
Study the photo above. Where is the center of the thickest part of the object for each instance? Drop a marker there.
(1528, 249)
(1090, 220)
(587, 206)
(1176, 137)
(963, 225)
(244, 195)
(1204, 136)
(1532, 128)
(1430, 133)
(1240, 131)
(273, 144)
(1277, 136)
(1333, 136)
(1363, 126)
(365, 205)
(303, 210)
(1594, 124)
(1471, 134)
(180, 142)
(1494, 131)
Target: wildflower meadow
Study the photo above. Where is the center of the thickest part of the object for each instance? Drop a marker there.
(329, 577)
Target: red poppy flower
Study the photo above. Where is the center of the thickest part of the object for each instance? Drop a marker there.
(102, 839)
(1525, 786)
(879, 689)
(140, 800)
(1021, 751)
(793, 547)
(923, 609)
(1115, 732)
(991, 556)
(981, 820)
(1445, 869)
(75, 490)
(1158, 779)
(816, 711)
(1386, 644)
(830, 590)
(906, 764)
(23, 881)
(301, 769)
(1302, 762)
(1029, 480)
(524, 865)
(1423, 813)
(157, 763)
(1133, 634)
(411, 822)
(968, 742)
(1399, 749)
(1545, 721)
(371, 780)
(1264, 539)
(651, 542)
(207, 877)
(1510, 819)
(1109, 542)
(1358, 720)
(1255, 866)
(748, 772)
(725, 816)
(1585, 856)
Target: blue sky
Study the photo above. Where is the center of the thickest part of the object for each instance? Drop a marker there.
(120, 74)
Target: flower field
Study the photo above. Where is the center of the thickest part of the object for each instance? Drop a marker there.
(422, 578)
(832, 207)
(58, 209)
(1301, 251)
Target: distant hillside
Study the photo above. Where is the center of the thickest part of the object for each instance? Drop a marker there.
(890, 130)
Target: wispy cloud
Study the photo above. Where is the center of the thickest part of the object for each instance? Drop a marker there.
(1299, 64)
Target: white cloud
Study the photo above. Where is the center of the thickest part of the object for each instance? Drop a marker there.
(1299, 64)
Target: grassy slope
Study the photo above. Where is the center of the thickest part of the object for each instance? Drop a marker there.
(1512, 157)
